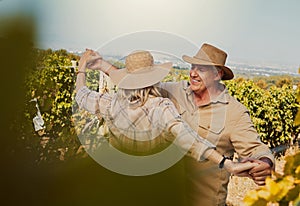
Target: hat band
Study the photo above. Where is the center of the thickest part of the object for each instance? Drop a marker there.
(140, 70)
(208, 61)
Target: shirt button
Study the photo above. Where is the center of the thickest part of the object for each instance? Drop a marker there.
(208, 126)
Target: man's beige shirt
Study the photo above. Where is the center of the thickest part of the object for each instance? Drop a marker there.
(224, 122)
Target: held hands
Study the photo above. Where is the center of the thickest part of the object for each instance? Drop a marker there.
(91, 60)
(258, 173)
(239, 169)
(95, 61)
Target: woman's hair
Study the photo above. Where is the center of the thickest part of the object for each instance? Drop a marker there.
(141, 95)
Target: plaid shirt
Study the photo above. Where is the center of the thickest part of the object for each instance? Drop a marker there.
(143, 129)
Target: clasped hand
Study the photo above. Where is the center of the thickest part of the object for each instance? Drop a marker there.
(91, 59)
(258, 173)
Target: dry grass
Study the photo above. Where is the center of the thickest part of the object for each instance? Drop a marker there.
(238, 186)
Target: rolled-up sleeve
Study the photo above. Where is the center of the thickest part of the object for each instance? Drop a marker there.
(186, 138)
(246, 140)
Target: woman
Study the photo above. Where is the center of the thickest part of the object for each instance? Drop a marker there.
(140, 120)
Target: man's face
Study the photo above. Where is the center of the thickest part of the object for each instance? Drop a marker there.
(203, 77)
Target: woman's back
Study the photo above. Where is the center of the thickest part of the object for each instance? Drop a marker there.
(139, 128)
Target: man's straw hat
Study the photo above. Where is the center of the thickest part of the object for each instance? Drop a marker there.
(210, 55)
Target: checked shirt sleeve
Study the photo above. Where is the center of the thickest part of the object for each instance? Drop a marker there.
(186, 138)
(92, 101)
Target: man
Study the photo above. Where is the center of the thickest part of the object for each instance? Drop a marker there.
(204, 103)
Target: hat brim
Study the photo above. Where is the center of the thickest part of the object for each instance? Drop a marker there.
(228, 74)
(141, 78)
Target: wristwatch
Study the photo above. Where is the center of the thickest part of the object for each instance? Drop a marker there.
(221, 164)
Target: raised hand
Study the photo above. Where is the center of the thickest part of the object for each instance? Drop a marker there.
(90, 59)
(95, 60)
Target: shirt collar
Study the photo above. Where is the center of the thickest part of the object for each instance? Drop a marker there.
(222, 97)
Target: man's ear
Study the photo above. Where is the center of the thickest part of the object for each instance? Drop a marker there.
(219, 74)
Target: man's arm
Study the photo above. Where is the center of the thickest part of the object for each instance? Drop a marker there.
(247, 144)
(97, 63)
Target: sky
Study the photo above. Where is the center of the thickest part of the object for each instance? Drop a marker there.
(265, 32)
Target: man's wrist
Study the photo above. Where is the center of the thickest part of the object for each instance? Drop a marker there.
(106, 67)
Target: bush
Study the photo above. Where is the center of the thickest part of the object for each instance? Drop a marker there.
(51, 82)
(273, 111)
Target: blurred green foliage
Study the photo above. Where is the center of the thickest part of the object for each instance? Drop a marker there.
(51, 81)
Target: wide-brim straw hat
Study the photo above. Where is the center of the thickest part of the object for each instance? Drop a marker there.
(210, 55)
(140, 71)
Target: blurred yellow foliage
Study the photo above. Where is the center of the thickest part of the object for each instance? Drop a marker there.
(283, 189)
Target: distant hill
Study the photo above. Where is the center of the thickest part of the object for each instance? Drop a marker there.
(239, 69)
(260, 70)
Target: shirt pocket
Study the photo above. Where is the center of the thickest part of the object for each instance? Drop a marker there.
(211, 132)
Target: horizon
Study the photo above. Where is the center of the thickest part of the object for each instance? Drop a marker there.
(236, 65)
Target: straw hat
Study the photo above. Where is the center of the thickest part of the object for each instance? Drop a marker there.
(140, 71)
(210, 55)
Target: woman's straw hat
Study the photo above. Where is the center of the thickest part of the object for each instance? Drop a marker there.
(140, 71)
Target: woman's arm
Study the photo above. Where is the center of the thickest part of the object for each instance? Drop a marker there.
(196, 146)
(92, 60)
(97, 63)
(87, 56)
(91, 101)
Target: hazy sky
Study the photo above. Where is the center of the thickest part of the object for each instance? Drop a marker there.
(251, 31)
